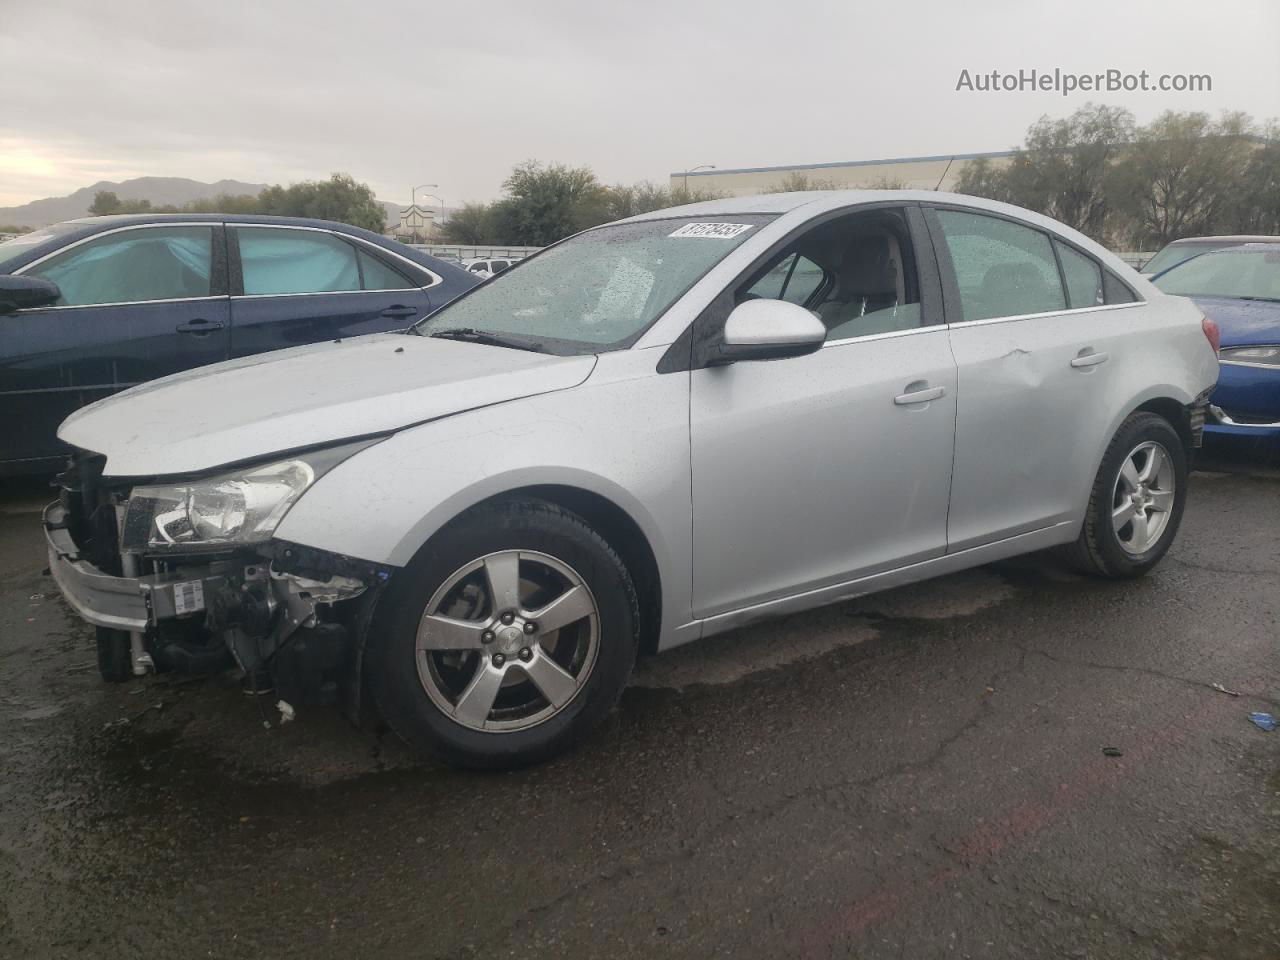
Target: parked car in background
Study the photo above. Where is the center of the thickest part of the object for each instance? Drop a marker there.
(104, 303)
(655, 431)
(1172, 254)
(1239, 289)
(486, 267)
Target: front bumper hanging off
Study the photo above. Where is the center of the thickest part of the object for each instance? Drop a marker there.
(120, 603)
(299, 613)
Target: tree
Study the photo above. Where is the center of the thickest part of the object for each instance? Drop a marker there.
(547, 203)
(982, 178)
(1255, 206)
(1065, 168)
(105, 203)
(471, 225)
(796, 182)
(338, 198)
(645, 196)
(1179, 176)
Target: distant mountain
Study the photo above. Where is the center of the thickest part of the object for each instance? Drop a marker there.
(159, 190)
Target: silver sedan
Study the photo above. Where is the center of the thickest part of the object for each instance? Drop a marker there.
(654, 431)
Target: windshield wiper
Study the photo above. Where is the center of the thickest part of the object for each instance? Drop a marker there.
(472, 335)
(1263, 299)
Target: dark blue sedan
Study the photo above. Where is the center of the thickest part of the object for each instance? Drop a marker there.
(1239, 289)
(139, 297)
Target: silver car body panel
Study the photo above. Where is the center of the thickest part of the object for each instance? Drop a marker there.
(760, 487)
(305, 396)
(806, 471)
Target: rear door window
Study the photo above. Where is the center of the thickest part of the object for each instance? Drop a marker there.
(275, 261)
(376, 275)
(131, 266)
(1003, 269)
(1084, 278)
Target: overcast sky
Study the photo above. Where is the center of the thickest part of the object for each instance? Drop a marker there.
(455, 93)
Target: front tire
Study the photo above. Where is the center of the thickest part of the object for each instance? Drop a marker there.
(506, 639)
(1137, 500)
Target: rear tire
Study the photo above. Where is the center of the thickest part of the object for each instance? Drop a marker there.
(493, 683)
(1137, 500)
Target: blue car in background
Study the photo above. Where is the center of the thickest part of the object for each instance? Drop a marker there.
(1239, 289)
(90, 307)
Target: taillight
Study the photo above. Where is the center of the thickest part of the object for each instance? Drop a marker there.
(1211, 333)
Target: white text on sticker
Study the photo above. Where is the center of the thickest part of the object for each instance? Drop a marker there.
(716, 231)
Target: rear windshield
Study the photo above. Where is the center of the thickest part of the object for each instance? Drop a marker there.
(1242, 274)
(1176, 253)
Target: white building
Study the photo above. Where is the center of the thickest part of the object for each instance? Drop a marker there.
(908, 173)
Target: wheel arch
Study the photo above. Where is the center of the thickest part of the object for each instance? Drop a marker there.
(603, 509)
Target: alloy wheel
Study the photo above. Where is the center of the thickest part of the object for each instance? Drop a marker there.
(507, 641)
(1142, 502)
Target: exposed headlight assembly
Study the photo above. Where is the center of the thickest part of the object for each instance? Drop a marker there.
(232, 509)
(1262, 356)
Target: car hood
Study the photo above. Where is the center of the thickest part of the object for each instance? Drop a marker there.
(1243, 323)
(306, 396)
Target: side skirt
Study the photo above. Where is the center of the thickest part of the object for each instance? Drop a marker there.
(927, 569)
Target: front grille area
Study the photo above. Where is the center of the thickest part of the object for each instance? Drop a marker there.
(90, 510)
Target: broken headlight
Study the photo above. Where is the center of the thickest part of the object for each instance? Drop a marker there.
(235, 508)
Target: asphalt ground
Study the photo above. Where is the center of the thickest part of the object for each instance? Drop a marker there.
(914, 774)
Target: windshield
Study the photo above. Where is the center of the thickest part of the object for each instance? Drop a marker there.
(21, 245)
(1244, 274)
(599, 290)
(1176, 253)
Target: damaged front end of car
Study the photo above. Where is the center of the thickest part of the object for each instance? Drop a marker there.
(184, 574)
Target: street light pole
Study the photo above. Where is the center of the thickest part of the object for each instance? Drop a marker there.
(439, 200)
(701, 166)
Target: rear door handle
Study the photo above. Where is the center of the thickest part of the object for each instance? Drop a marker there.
(399, 311)
(922, 395)
(199, 327)
(1088, 358)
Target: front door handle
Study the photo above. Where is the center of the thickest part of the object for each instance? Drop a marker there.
(199, 327)
(1088, 358)
(919, 392)
(399, 311)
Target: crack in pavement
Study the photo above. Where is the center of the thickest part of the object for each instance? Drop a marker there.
(1151, 672)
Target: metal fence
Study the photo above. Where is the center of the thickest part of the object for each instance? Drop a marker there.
(453, 251)
(1135, 260)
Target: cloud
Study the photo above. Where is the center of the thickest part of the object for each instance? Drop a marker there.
(397, 93)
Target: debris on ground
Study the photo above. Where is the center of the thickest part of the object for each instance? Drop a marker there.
(1263, 721)
(1112, 752)
(1221, 689)
(287, 713)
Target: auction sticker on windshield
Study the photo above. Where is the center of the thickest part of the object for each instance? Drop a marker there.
(715, 231)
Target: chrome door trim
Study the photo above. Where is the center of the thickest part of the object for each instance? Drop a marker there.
(322, 293)
(1249, 363)
(211, 224)
(887, 335)
(436, 279)
(116, 303)
(1048, 313)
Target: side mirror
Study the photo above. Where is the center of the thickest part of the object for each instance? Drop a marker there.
(20, 293)
(768, 330)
